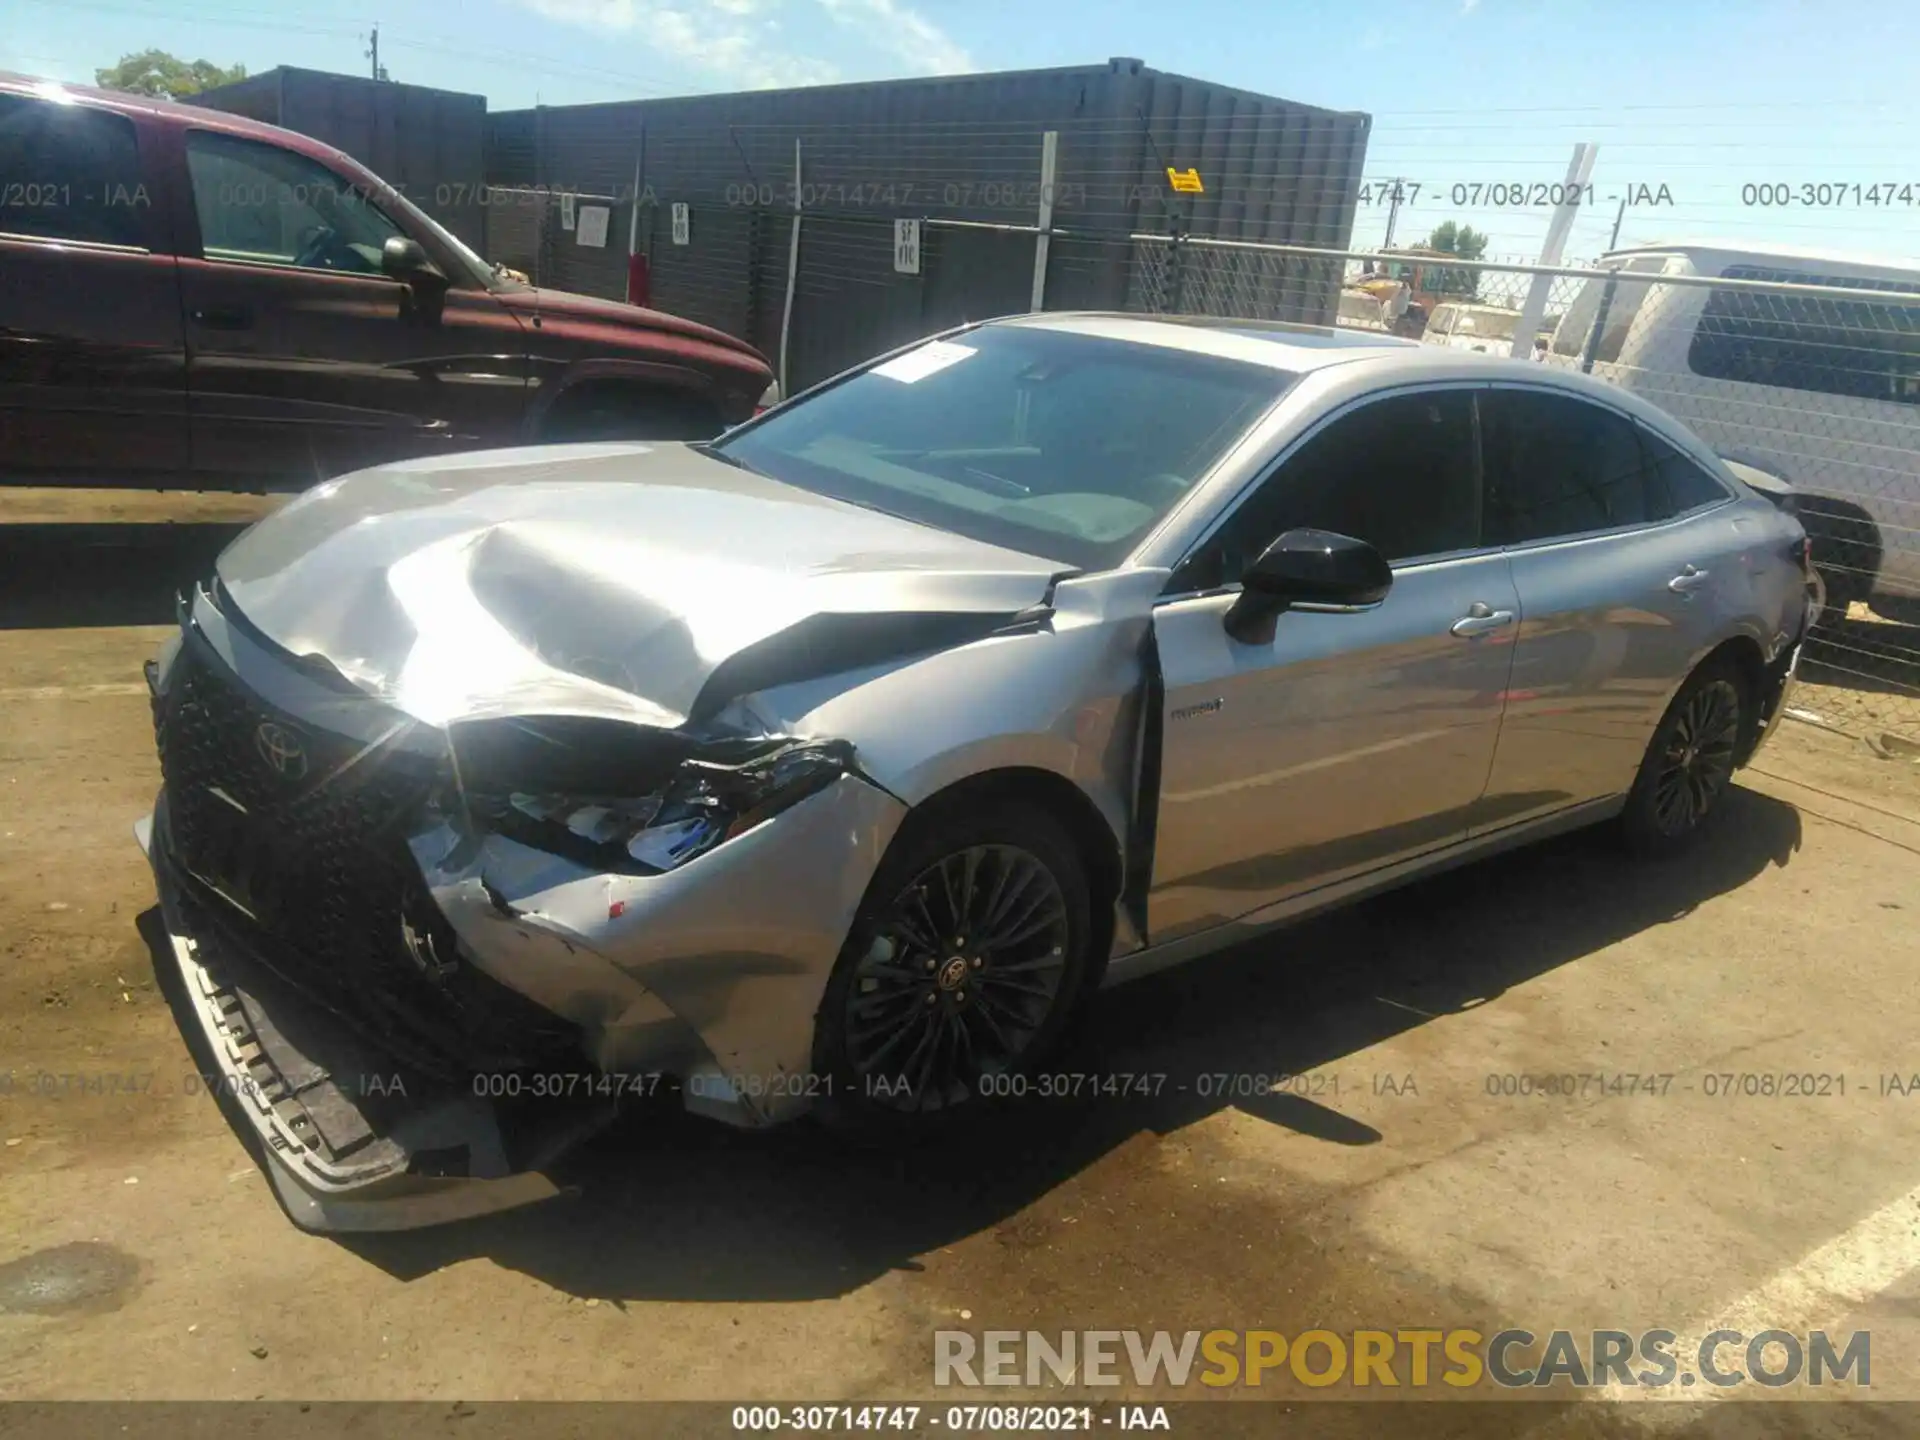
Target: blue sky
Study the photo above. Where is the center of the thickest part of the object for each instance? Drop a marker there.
(1704, 98)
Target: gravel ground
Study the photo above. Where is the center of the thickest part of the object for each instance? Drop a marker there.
(1394, 1188)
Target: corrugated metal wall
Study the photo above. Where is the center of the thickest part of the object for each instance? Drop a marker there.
(966, 149)
(511, 155)
(430, 145)
(941, 150)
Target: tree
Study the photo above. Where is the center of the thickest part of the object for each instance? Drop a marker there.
(1462, 240)
(164, 76)
(1466, 242)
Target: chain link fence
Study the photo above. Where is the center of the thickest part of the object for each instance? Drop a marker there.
(1805, 372)
(1798, 375)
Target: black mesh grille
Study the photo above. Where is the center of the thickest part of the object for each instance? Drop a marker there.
(306, 863)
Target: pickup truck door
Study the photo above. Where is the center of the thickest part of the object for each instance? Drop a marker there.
(92, 365)
(305, 359)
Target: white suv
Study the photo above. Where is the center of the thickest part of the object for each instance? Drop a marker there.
(1823, 393)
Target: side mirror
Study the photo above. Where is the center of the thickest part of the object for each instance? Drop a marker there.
(404, 259)
(1306, 567)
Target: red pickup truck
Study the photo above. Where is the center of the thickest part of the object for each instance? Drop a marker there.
(193, 299)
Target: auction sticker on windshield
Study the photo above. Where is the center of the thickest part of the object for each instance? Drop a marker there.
(929, 359)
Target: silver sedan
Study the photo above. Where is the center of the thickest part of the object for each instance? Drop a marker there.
(834, 764)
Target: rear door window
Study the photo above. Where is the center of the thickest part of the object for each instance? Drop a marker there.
(1678, 484)
(70, 172)
(1557, 465)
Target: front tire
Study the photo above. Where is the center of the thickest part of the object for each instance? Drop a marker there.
(1689, 763)
(965, 965)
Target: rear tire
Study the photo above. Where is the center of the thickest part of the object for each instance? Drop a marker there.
(1689, 763)
(965, 966)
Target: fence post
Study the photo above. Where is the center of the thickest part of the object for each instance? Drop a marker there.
(1579, 171)
(639, 269)
(539, 197)
(793, 274)
(1591, 348)
(1049, 156)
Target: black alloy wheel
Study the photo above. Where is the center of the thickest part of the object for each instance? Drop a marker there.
(964, 969)
(1696, 764)
(1690, 761)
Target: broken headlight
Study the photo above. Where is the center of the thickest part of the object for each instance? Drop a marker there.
(698, 806)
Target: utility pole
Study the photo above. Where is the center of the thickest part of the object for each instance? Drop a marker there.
(1613, 241)
(373, 52)
(1393, 210)
(1579, 171)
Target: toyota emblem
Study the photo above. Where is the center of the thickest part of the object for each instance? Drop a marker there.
(281, 749)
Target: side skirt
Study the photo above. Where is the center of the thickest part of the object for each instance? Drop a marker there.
(1123, 968)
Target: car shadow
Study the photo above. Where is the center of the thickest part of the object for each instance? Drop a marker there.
(671, 1207)
(58, 576)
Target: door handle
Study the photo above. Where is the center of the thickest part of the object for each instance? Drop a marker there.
(1687, 580)
(1481, 619)
(233, 317)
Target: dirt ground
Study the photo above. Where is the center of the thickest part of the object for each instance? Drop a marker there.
(1404, 1189)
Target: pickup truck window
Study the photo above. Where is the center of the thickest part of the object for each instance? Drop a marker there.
(69, 172)
(271, 206)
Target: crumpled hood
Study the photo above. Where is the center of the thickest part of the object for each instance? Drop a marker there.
(610, 580)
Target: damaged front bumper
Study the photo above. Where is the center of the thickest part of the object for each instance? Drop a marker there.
(706, 977)
(711, 972)
(351, 1137)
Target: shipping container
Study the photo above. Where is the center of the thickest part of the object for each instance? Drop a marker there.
(707, 186)
(430, 145)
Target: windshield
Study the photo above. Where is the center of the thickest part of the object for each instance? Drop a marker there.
(1066, 446)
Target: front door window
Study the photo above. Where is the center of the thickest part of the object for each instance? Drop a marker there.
(267, 205)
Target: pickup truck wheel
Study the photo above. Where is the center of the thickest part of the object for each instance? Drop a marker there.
(1689, 762)
(962, 970)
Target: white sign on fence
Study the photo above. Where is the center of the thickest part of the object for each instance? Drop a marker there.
(906, 246)
(682, 225)
(566, 212)
(593, 226)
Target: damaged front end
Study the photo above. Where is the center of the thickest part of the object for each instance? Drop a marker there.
(423, 961)
(475, 778)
